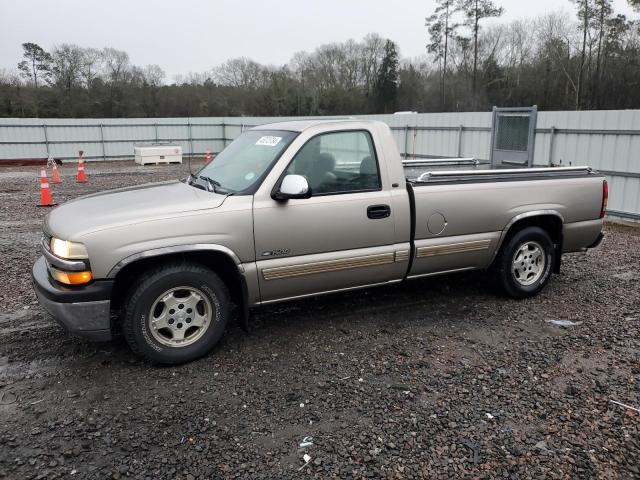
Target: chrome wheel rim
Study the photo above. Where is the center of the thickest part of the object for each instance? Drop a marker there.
(180, 316)
(528, 264)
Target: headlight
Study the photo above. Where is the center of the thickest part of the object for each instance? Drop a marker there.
(68, 250)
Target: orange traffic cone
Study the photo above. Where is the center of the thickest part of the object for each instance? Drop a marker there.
(55, 178)
(81, 177)
(46, 200)
(207, 157)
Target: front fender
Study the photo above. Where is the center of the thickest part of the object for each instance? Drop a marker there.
(156, 252)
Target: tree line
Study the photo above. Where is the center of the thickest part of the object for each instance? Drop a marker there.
(553, 61)
(559, 62)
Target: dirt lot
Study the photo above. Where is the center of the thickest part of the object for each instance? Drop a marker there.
(400, 382)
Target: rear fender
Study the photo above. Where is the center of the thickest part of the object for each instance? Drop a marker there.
(529, 216)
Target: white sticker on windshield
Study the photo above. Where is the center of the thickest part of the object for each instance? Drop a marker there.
(269, 141)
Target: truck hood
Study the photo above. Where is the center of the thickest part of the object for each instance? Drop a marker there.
(114, 208)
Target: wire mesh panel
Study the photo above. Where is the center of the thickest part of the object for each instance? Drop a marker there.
(513, 136)
(513, 132)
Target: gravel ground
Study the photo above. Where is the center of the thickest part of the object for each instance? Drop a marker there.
(439, 378)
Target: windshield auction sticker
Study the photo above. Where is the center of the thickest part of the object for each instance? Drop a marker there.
(269, 141)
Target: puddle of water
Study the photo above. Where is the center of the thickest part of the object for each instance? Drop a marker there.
(564, 323)
(627, 276)
(21, 223)
(4, 364)
(20, 175)
(18, 315)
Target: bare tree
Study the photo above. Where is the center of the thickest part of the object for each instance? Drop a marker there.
(115, 65)
(66, 74)
(557, 44)
(116, 71)
(91, 59)
(350, 65)
(239, 72)
(9, 77)
(326, 59)
(372, 55)
(153, 75)
(66, 66)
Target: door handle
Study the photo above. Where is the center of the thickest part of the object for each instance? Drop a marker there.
(375, 212)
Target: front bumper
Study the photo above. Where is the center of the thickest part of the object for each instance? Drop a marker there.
(83, 311)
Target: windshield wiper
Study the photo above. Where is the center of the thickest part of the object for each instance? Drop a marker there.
(192, 180)
(216, 187)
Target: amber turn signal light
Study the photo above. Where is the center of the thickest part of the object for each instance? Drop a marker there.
(71, 278)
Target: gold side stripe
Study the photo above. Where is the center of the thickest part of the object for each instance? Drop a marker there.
(449, 249)
(402, 255)
(327, 266)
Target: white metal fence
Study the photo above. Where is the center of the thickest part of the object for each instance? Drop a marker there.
(606, 140)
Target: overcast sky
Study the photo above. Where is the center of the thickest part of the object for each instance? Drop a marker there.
(194, 35)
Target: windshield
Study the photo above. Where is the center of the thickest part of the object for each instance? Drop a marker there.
(246, 160)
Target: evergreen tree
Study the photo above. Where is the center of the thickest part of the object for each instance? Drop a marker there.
(387, 81)
(37, 63)
(442, 28)
(475, 11)
(585, 12)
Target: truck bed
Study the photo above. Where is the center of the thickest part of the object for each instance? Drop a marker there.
(461, 214)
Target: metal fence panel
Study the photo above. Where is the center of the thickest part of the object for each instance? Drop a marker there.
(606, 140)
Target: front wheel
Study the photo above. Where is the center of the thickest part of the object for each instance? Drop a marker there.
(525, 262)
(176, 313)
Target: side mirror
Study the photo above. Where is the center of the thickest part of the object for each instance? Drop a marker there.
(293, 186)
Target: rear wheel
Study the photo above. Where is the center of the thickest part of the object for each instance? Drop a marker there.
(176, 313)
(525, 262)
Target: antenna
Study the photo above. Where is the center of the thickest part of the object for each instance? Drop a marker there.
(190, 143)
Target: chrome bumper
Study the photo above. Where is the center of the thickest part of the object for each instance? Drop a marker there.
(83, 311)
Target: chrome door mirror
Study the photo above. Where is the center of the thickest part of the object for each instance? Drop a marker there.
(293, 186)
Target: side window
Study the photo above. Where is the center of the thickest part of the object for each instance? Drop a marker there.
(338, 163)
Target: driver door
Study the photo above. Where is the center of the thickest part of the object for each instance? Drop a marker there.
(342, 237)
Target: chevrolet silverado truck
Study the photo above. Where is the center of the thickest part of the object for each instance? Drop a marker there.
(295, 209)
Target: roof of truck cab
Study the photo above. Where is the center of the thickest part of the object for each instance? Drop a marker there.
(301, 125)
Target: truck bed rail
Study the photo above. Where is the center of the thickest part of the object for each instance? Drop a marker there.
(438, 162)
(501, 174)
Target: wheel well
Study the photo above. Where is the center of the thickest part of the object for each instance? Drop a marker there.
(219, 262)
(552, 224)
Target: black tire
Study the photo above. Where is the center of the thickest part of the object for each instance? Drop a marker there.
(512, 286)
(149, 287)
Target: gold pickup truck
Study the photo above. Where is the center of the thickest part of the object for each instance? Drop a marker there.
(295, 209)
